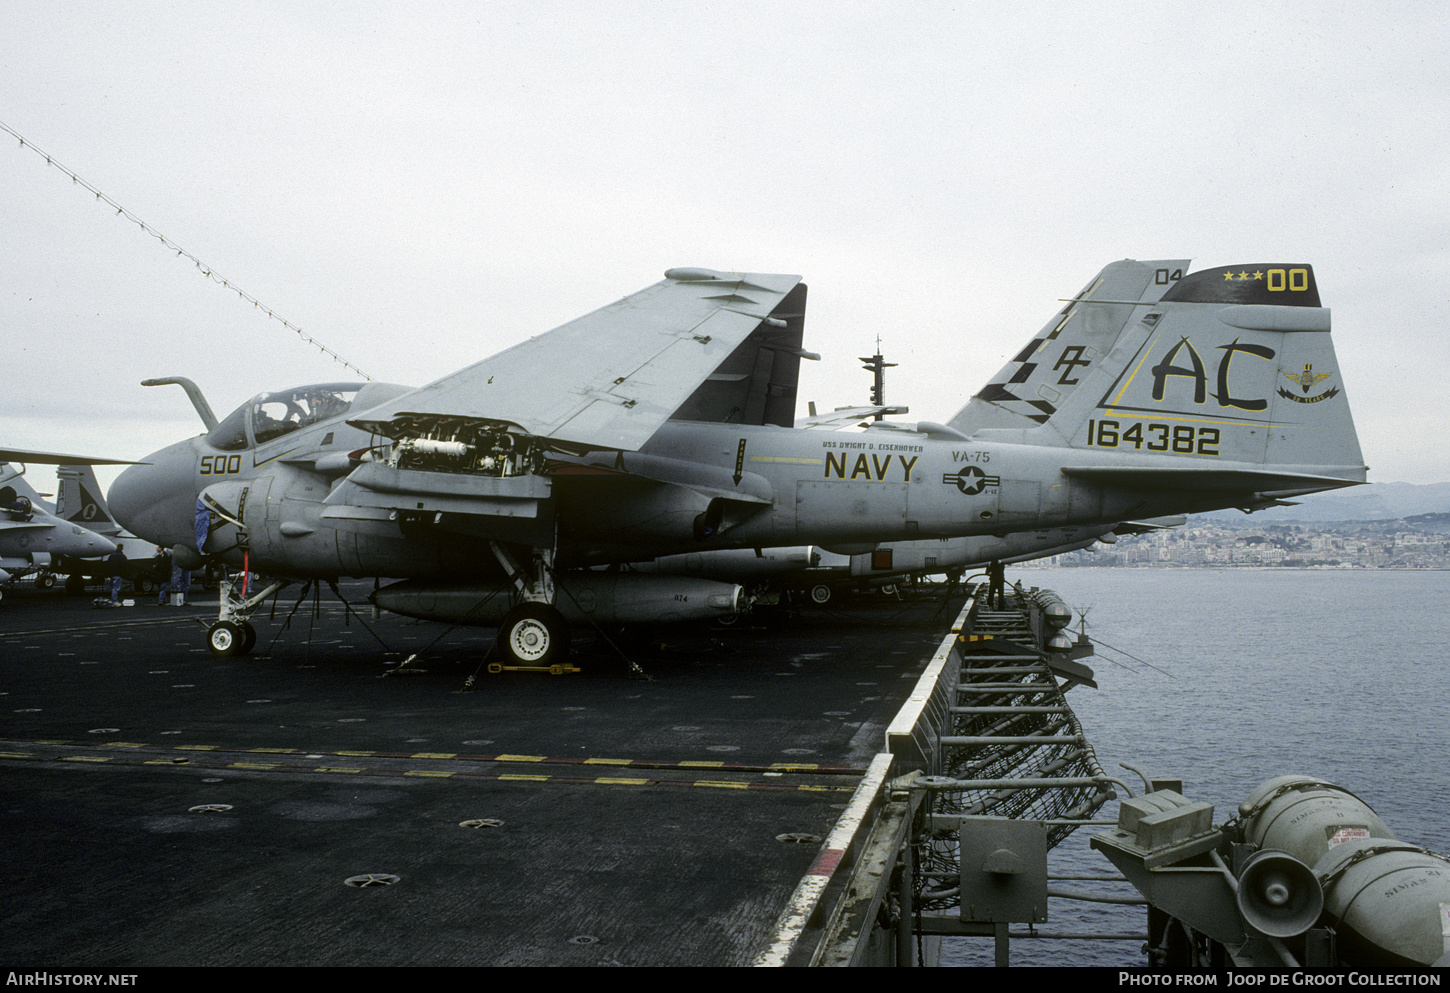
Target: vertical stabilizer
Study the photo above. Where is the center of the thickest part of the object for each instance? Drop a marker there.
(1232, 365)
(1043, 375)
(80, 500)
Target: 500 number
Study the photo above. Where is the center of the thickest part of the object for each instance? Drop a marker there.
(1181, 439)
(221, 465)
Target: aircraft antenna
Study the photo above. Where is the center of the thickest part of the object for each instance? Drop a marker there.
(201, 266)
(877, 366)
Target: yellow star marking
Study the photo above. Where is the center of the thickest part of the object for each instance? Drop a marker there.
(1228, 276)
(1243, 275)
(1258, 275)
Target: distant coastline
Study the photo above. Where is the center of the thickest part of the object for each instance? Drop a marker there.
(1416, 544)
(1087, 563)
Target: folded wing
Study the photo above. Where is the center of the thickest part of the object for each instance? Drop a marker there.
(609, 379)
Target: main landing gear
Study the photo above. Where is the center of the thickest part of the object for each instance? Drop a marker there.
(534, 634)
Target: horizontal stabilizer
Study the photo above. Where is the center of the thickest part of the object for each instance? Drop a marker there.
(1150, 525)
(1206, 480)
(55, 458)
(843, 416)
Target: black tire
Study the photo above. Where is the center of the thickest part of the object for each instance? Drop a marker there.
(225, 639)
(249, 638)
(821, 594)
(533, 634)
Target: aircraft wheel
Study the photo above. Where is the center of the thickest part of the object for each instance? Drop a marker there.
(75, 583)
(44, 581)
(820, 594)
(534, 634)
(249, 638)
(225, 639)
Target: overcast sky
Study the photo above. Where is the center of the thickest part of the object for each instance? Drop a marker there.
(419, 185)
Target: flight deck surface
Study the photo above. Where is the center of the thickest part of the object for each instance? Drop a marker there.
(164, 807)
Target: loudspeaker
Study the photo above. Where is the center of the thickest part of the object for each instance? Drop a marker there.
(1278, 895)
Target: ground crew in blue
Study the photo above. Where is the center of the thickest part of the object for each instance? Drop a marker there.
(179, 584)
(117, 562)
(178, 580)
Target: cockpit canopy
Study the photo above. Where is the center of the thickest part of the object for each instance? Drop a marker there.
(270, 415)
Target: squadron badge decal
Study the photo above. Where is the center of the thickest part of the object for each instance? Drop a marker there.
(1306, 381)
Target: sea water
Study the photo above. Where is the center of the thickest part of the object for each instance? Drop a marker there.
(1239, 676)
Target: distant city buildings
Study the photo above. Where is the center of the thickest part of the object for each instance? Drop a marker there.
(1421, 542)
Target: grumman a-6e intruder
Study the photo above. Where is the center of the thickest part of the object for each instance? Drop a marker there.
(517, 491)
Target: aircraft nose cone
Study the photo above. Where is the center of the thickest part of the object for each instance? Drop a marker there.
(157, 501)
(97, 545)
(72, 539)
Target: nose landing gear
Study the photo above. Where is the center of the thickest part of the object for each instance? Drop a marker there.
(229, 638)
